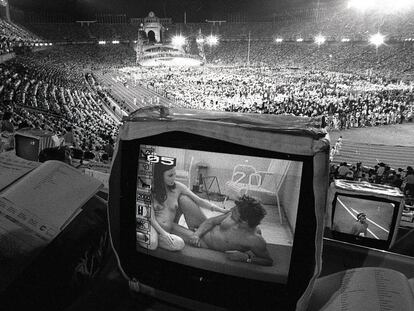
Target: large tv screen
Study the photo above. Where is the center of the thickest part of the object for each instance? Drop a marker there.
(222, 212)
(221, 209)
(217, 222)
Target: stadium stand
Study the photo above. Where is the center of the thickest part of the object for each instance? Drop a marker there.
(13, 35)
(351, 84)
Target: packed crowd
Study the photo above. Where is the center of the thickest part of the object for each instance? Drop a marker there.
(391, 61)
(346, 100)
(350, 85)
(379, 174)
(36, 95)
(12, 35)
(333, 21)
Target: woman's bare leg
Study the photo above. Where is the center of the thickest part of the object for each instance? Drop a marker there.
(148, 241)
(192, 212)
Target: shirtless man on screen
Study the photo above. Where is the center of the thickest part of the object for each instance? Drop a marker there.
(235, 233)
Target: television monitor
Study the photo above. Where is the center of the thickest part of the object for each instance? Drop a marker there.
(365, 214)
(27, 147)
(220, 208)
(30, 142)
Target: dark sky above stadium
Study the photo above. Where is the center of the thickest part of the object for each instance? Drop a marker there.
(196, 10)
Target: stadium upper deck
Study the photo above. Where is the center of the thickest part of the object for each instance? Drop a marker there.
(336, 22)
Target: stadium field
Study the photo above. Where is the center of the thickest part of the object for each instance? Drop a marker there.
(398, 134)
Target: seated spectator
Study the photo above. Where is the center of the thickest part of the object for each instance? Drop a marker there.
(364, 177)
(62, 154)
(109, 148)
(343, 170)
(69, 138)
(6, 132)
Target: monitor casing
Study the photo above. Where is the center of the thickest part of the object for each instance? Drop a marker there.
(364, 191)
(283, 137)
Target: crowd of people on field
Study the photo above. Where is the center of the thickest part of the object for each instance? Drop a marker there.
(346, 100)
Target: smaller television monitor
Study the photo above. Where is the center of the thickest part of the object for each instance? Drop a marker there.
(30, 142)
(365, 214)
(27, 147)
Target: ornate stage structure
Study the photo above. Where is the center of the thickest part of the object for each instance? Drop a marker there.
(151, 49)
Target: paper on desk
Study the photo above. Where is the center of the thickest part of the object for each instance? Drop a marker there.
(22, 237)
(54, 193)
(12, 168)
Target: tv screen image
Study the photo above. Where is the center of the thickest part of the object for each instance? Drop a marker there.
(362, 217)
(364, 213)
(217, 211)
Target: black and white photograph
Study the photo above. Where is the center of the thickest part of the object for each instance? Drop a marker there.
(243, 208)
(206, 155)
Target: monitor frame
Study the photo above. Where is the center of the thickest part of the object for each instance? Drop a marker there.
(204, 285)
(365, 241)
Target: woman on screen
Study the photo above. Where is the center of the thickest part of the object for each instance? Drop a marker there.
(171, 199)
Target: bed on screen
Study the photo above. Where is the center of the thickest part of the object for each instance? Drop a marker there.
(216, 261)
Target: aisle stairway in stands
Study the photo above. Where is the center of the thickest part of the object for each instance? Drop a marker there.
(372, 154)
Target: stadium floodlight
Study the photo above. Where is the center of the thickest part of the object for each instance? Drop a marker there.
(101, 42)
(299, 40)
(212, 40)
(385, 6)
(278, 40)
(178, 41)
(345, 40)
(377, 39)
(361, 5)
(319, 39)
(115, 42)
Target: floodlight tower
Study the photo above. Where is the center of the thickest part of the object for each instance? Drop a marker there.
(319, 39)
(377, 40)
(178, 41)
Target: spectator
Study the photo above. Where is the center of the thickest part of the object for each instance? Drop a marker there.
(6, 132)
(69, 138)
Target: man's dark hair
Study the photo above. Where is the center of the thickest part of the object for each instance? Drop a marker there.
(250, 210)
(7, 115)
(361, 214)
